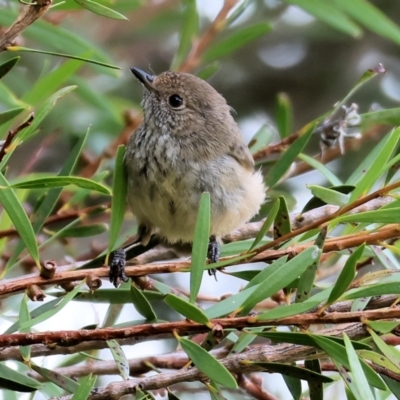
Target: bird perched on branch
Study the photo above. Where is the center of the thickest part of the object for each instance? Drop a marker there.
(187, 144)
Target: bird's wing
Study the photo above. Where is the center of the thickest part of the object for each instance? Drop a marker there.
(241, 153)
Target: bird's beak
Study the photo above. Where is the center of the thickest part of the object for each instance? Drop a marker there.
(145, 78)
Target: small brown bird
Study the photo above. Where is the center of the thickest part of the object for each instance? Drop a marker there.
(187, 144)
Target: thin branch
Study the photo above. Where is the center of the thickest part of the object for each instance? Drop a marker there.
(187, 327)
(200, 45)
(28, 15)
(238, 363)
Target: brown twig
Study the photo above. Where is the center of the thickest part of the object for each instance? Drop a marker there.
(11, 135)
(238, 363)
(200, 45)
(28, 15)
(190, 328)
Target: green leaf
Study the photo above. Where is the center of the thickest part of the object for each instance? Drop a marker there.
(306, 280)
(284, 115)
(48, 204)
(85, 387)
(119, 358)
(346, 276)
(200, 245)
(374, 170)
(207, 364)
(141, 304)
(293, 371)
(51, 81)
(338, 353)
(188, 33)
(54, 310)
(7, 66)
(283, 164)
(262, 138)
(304, 339)
(381, 216)
(24, 316)
(62, 381)
(281, 278)
(294, 386)
(8, 115)
(329, 196)
(391, 116)
(329, 14)
(118, 205)
(85, 231)
(315, 389)
(382, 326)
(40, 114)
(60, 181)
(282, 221)
(235, 41)
(188, 310)
(391, 353)
(17, 214)
(358, 374)
(265, 273)
(376, 289)
(378, 359)
(323, 169)
(267, 224)
(100, 9)
(371, 17)
(72, 57)
(209, 70)
(14, 380)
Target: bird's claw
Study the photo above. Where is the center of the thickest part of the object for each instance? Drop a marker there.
(117, 267)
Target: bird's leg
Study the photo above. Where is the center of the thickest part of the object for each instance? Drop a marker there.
(118, 257)
(213, 254)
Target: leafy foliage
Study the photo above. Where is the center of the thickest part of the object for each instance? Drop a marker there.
(66, 112)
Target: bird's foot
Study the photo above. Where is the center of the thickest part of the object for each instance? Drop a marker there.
(117, 267)
(213, 254)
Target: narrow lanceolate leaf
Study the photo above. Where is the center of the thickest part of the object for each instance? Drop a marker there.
(322, 169)
(62, 381)
(85, 387)
(346, 276)
(267, 224)
(371, 17)
(392, 353)
(207, 364)
(235, 41)
(315, 389)
(374, 170)
(17, 214)
(7, 66)
(376, 289)
(281, 278)
(329, 196)
(261, 138)
(328, 13)
(40, 114)
(14, 380)
(338, 353)
(306, 280)
(49, 202)
(293, 371)
(200, 245)
(288, 157)
(120, 358)
(52, 53)
(118, 203)
(8, 115)
(24, 316)
(282, 220)
(141, 304)
(188, 33)
(390, 116)
(358, 374)
(100, 9)
(267, 272)
(188, 310)
(53, 311)
(284, 115)
(381, 216)
(61, 181)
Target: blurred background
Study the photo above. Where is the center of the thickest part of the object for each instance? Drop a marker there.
(313, 62)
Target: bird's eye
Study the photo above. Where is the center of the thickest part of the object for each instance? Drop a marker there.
(175, 101)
